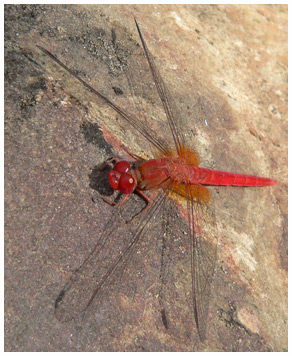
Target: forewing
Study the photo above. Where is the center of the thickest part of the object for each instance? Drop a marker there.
(137, 95)
(170, 109)
(143, 129)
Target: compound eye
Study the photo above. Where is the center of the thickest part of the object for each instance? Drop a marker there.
(114, 178)
(122, 167)
(127, 184)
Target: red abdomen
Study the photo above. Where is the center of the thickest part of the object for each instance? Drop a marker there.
(157, 173)
(197, 175)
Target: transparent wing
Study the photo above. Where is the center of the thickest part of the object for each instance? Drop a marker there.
(105, 264)
(142, 102)
(194, 252)
(203, 239)
(146, 132)
(165, 97)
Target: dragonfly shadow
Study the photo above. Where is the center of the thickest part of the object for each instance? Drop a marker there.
(98, 180)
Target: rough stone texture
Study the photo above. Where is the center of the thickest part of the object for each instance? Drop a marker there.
(226, 66)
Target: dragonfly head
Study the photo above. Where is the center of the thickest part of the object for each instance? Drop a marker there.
(120, 178)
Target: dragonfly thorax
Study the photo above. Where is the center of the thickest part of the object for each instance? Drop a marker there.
(120, 178)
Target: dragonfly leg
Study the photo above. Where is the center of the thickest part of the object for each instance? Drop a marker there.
(136, 157)
(114, 159)
(148, 200)
(111, 202)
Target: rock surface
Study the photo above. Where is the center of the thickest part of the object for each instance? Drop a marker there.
(226, 67)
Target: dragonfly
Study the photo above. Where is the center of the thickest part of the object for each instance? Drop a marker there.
(175, 170)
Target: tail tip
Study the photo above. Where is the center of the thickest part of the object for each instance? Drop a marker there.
(273, 182)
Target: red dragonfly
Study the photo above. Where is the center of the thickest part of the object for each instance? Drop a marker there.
(174, 170)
